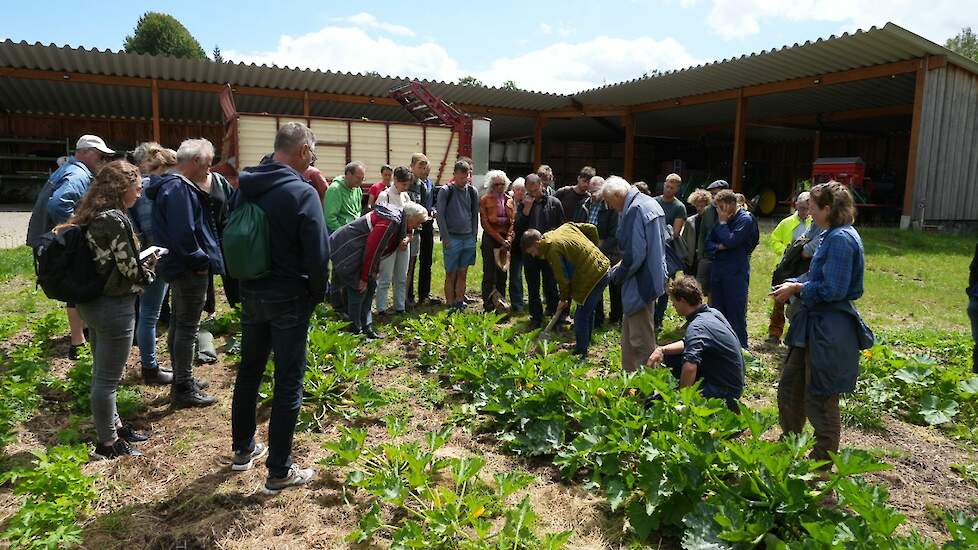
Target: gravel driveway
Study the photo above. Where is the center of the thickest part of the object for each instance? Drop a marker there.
(13, 225)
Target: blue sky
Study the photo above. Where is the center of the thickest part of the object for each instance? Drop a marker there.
(543, 45)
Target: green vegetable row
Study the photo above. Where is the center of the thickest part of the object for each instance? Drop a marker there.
(671, 461)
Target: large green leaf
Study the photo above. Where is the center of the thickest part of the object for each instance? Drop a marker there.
(914, 375)
(968, 387)
(935, 410)
(616, 492)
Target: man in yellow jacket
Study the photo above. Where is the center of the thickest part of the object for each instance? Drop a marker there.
(787, 231)
(580, 269)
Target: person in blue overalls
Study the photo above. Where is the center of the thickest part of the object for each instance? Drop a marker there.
(731, 242)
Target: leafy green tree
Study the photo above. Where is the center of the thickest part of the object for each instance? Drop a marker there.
(218, 58)
(469, 80)
(161, 34)
(965, 43)
(509, 85)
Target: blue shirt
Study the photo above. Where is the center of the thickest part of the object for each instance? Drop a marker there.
(642, 239)
(836, 271)
(814, 235)
(738, 236)
(422, 192)
(141, 215)
(593, 211)
(710, 344)
(74, 180)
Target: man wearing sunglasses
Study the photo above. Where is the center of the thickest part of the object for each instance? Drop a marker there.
(56, 203)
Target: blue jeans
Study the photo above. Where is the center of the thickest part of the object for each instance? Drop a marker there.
(973, 315)
(150, 303)
(584, 317)
(277, 325)
(516, 281)
(538, 271)
(111, 320)
(358, 306)
(188, 292)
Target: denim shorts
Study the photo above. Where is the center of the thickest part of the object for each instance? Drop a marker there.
(459, 253)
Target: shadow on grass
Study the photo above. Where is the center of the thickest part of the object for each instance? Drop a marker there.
(195, 517)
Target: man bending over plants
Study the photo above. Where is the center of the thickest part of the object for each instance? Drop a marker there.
(709, 350)
(580, 268)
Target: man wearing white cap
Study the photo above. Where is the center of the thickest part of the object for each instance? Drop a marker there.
(90, 152)
(55, 203)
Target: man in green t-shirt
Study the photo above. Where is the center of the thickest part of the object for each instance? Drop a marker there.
(343, 198)
(675, 216)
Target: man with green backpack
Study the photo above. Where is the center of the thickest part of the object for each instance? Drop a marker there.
(276, 243)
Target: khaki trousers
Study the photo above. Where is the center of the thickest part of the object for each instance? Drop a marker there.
(637, 337)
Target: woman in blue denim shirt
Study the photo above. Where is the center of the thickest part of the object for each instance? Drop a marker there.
(826, 332)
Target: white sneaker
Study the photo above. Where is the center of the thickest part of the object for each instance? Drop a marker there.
(296, 476)
(244, 461)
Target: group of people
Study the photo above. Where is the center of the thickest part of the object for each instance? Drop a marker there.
(328, 243)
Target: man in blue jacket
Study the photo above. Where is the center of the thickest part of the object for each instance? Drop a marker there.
(641, 273)
(68, 183)
(276, 309)
(731, 242)
(182, 224)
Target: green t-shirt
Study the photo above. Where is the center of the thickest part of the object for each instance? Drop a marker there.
(673, 210)
(342, 204)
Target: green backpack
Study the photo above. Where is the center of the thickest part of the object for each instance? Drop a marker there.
(247, 248)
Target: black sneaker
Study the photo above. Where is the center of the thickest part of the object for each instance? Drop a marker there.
(128, 433)
(189, 396)
(370, 334)
(117, 449)
(244, 461)
(200, 383)
(73, 350)
(297, 476)
(157, 377)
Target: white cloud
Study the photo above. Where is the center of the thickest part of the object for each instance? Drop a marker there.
(353, 50)
(368, 21)
(566, 67)
(562, 30)
(937, 21)
(563, 67)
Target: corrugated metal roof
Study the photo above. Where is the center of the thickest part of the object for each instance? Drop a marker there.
(65, 58)
(860, 49)
(837, 53)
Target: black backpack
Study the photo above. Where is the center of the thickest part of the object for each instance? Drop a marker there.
(66, 270)
(793, 263)
(755, 237)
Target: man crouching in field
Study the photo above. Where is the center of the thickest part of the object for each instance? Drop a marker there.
(709, 350)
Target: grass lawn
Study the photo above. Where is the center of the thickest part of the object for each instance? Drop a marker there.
(914, 281)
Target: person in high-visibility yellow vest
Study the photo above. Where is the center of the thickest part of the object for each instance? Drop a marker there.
(787, 231)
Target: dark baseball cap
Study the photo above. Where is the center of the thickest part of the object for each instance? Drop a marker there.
(718, 184)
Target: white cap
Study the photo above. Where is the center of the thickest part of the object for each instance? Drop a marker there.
(89, 141)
